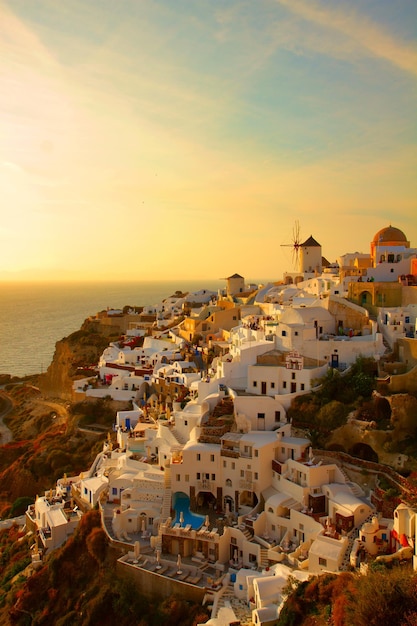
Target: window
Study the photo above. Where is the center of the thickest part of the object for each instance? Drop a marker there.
(256, 475)
(187, 478)
(322, 561)
(255, 383)
(293, 376)
(277, 416)
(113, 490)
(213, 477)
(284, 333)
(233, 465)
(228, 482)
(256, 452)
(296, 333)
(284, 384)
(198, 475)
(185, 422)
(301, 526)
(224, 464)
(212, 458)
(177, 477)
(302, 386)
(242, 473)
(272, 385)
(198, 456)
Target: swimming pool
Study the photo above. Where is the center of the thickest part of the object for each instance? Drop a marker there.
(181, 504)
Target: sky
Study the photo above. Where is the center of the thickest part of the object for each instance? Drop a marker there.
(165, 139)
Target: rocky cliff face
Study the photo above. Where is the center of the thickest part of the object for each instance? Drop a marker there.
(73, 359)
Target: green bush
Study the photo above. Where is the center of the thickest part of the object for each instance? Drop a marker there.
(332, 415)
(20, 506)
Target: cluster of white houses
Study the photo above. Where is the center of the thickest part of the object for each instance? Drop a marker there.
(205, 469)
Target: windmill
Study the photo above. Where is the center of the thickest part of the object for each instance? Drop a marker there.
(295, 245)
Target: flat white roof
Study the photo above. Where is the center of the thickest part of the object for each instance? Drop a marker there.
(94, 482)
(296, 441)
(327, 548)
(260, 436)
(56, 517)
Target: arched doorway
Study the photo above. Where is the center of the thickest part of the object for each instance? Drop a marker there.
(365, 298)
(205, 502)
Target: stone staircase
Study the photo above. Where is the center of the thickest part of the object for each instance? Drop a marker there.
(240, 607)
(248, 534)
(166, 502)
(354, 533)
(355, 489)
(264, 561)
(108, 523)
(180, 438)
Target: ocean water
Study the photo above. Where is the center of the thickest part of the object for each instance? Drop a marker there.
(34, 316)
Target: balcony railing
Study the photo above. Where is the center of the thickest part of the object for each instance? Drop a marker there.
(233, 454)
(206, 485)
(276, 466)
(250, 485)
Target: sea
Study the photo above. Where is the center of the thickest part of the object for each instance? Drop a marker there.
(34, 316)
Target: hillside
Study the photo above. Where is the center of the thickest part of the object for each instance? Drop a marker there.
(73, 356)
(47, 440)
(383, 596)
(78, 585)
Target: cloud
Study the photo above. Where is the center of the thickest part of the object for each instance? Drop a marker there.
(371, 37)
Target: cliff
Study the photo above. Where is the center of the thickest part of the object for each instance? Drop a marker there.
(74, 358)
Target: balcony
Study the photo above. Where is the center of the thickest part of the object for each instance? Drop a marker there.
(206, 485)
(249, 485)
(277, 466)
(233, 454)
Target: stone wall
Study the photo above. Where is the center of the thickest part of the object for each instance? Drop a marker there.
(156, 587)
(408, 490)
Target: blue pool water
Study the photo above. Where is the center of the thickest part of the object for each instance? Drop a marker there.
(137, 447)
(181, 504)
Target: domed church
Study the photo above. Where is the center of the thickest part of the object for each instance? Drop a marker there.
(391, 266)
(389, 246)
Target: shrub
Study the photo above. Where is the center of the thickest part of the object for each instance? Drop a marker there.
(20, 506)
